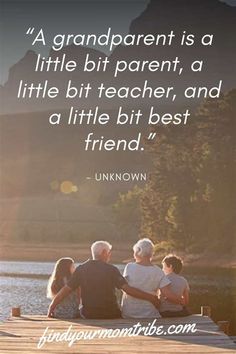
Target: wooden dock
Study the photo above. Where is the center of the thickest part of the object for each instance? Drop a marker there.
(21, 336)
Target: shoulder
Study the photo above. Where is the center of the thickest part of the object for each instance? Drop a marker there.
(184, 280)
(158, 270)
(82, 266)
(162, 278)
(109, 265)
(111, 268)
(131, 265)
(158, 273)
(181, 278)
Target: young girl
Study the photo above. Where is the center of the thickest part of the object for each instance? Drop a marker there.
(63, 270)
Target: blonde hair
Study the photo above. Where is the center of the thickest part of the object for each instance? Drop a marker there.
(60, 276)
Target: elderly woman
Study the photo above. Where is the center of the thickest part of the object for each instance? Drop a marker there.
(142, 274)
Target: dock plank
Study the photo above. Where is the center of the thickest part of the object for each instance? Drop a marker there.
(21, 335)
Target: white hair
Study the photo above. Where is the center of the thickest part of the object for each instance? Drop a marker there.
(144, 248)
(98, 247)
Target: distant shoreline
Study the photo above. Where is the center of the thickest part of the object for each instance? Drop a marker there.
(122, 253)
(43, 252)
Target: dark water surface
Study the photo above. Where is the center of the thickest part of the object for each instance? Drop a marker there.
(24, 284)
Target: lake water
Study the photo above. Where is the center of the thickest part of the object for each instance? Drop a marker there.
(24, 284)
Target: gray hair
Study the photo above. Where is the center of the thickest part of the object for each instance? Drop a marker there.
(98, 247)
(144, 248)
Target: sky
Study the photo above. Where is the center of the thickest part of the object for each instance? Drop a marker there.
(55, 16)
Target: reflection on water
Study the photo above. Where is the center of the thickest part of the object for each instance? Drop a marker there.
(24, 284)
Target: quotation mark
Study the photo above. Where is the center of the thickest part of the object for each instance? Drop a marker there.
(30, 30)
(152, 136)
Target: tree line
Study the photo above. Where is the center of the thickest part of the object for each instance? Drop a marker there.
(189, 200)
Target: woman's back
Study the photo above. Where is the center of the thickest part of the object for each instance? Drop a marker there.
(147, 278)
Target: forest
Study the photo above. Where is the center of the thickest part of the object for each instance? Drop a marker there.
(188, 203)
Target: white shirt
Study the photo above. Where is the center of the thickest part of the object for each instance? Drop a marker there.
(148, 279)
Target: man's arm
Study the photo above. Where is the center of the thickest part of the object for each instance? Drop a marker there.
(166, 292)
(64, 292)
(139, 294)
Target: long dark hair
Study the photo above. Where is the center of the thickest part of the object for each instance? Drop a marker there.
(60, 276)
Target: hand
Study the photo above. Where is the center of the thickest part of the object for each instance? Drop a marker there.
(50, 313)
(156, 301)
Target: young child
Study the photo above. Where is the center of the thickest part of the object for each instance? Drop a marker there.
(172, 266)
(63, 270)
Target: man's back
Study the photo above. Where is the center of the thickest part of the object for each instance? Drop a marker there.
(98, 281)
